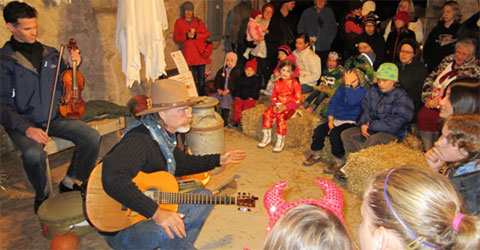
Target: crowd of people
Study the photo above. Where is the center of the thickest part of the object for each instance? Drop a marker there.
(384, 81)
(380, 90)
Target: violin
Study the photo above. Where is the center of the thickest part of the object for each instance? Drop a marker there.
(71, 104)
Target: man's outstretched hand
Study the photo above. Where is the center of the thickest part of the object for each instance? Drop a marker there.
(233, 156)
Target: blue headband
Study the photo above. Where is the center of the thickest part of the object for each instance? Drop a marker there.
(417, 239)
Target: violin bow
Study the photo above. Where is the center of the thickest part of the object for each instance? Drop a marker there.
(50, 109)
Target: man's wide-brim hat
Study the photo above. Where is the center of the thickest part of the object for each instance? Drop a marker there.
(168, 94)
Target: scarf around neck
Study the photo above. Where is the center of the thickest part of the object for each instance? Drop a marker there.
(166, 141)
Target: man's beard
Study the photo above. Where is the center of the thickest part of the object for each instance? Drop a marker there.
(185, 127)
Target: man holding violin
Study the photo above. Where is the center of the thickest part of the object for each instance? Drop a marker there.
(28, 70)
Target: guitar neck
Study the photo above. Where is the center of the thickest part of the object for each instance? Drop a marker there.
(188, 198)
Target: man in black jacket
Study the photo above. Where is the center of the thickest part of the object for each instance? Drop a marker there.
(149, 146)
(27, 77)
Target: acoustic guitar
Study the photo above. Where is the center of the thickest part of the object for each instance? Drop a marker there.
(108, 215)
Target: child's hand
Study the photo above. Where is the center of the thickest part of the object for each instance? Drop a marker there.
(323, 86)
(364, 129)
(331, 125)
(281, 108)
(433, 159)
(351, 79)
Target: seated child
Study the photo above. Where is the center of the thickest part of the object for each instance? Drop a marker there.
(225, 82)
(329, 81)
(457, 154)
(286, 96)
(247, 91)
(306, 224)
(284, 52)
(412, 208)
(387, 112)
(343, 111)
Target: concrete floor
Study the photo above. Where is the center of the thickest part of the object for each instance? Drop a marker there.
(225, 228)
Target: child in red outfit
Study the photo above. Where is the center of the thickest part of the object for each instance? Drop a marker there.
(286, 97)
(284, 52)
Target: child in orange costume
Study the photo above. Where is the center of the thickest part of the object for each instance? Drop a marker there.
(286, 97)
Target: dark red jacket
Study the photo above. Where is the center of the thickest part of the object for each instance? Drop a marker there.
(192, 48)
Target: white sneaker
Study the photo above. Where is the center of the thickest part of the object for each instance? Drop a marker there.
(267, 138)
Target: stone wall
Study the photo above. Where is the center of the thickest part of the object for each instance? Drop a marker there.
(93, 24)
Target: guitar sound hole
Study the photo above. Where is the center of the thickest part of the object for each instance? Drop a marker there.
(151, 193)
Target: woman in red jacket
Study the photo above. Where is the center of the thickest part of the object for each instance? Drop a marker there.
(191, 33)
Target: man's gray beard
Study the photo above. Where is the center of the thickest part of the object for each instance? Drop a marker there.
(184, 128)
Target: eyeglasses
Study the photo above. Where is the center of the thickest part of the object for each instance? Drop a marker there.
(406, 52)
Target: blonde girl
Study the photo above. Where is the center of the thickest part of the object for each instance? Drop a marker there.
(412, 208)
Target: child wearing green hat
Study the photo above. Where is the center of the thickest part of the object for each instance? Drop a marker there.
(387, 112)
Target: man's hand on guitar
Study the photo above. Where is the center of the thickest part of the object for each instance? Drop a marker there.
(232, 157)
(170, 221)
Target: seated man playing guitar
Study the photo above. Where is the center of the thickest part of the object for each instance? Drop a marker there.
(149, 146)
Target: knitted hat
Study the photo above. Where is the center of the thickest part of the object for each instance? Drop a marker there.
(370, 56)
(364, 38)
(388, 71)
(353, 5)
(371, 19)
(231, 55)
(410, 42)
(285, 49)
(255, 13)
(333, 55)
(402, 15)
(252, 64)
(368, 6)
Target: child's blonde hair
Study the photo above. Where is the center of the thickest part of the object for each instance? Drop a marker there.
(427, 205)
(308, 226)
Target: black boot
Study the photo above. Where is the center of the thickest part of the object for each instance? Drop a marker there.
(225, 114)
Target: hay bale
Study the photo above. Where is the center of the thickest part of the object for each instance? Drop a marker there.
(368, 163)
(413, 142)
(264, 99)
(299, 131)
(252, 121)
